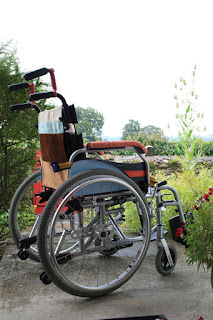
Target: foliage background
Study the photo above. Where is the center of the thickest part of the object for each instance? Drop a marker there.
(189, 185)
(19, 139)
(90, 123)
(170, 148)
(18, 136)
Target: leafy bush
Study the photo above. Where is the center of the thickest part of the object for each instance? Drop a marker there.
(200, 232)
(171, 148)
(208, 148)
(189, 185)
(132, 223)
(18, 135)
(4, 229)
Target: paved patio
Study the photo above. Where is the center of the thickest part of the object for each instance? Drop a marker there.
(184, 295)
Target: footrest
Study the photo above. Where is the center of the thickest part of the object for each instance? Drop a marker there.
(26, 242)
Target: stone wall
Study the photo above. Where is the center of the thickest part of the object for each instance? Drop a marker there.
(171, 164)
(167, 163)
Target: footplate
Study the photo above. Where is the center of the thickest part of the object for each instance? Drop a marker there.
(27, 242)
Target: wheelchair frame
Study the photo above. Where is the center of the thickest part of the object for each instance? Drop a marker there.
(166, 257)
(152, 193)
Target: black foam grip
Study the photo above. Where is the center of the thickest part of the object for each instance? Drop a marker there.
(20, 106)
(162, 183)
(36, 74)
(18, 86)
(41, 95)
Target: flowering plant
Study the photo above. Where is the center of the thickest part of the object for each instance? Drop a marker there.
(179, 233)
(188, 122)
(199, 237)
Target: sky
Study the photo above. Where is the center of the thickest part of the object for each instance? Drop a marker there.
(120, 57)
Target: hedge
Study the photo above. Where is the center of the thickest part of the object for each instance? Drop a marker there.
(168, 148)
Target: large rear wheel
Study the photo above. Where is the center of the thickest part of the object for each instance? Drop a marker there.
(94, 232)
(25, 211)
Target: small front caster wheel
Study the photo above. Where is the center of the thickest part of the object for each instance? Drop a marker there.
(23, 254)
(44, 278)
(161, 261)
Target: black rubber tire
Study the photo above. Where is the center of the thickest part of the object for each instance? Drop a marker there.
(13, 212)
(23, 254)
(44, 253)
(44, 278)
(161, 261)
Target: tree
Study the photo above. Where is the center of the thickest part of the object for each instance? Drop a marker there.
(18, 135)
(151, 132)
(130, 129)
(90, 123)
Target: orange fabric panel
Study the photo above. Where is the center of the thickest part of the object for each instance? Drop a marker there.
(135, 173)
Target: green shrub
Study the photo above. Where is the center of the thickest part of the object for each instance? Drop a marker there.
(208, 148)
(4, 229)
(200, 232)
(189, 185)
(161, 146)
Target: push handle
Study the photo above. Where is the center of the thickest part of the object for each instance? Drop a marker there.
(42, 72)
(18, 86)
(24, 106)
(36, 74)
(21, 106)
(41, 95)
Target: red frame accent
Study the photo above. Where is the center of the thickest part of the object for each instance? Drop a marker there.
(53, 81)
(32, 90)
(37, 187)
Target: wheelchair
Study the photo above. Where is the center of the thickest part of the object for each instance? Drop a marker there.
(95, 228)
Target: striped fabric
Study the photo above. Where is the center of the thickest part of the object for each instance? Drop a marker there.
(49, 123)
(51, 132)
